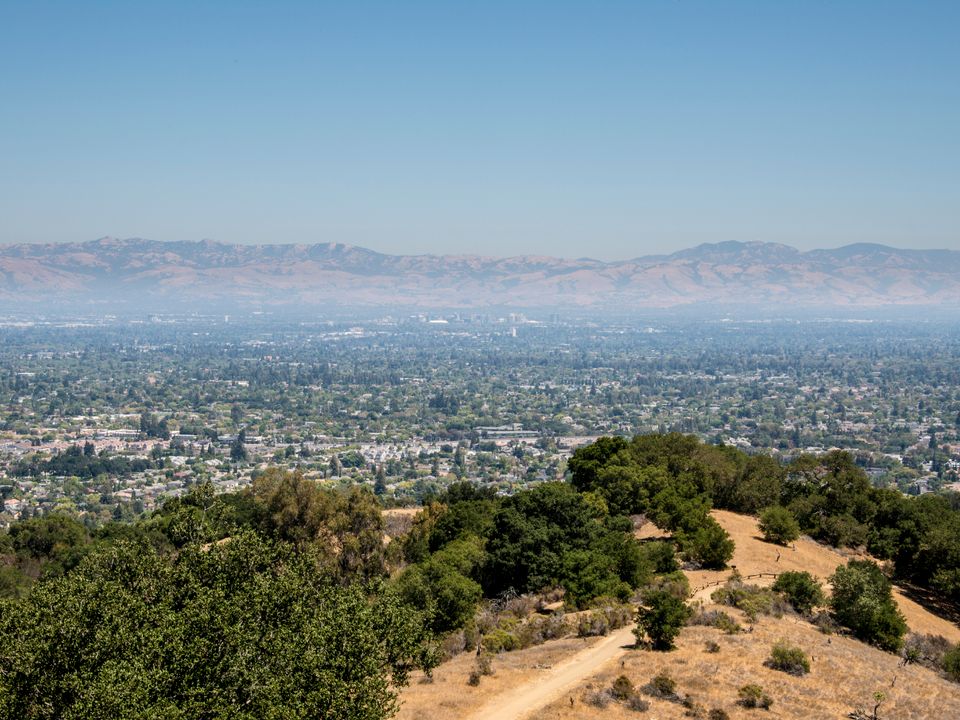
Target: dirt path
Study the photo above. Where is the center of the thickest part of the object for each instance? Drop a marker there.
(521, 701)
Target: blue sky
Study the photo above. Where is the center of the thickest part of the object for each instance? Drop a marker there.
(608, 129)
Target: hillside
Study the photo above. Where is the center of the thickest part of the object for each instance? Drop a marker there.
(150, 275)
(844, 672)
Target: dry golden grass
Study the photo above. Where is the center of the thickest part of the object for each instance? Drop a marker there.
(753, 555)
(845, 673)
(449, 695)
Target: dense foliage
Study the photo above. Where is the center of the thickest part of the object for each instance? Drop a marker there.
(661, 618)
(244, 629)
(778, 525)
(666, 478)
(265, 604)
(801, 589)
(470, 544)
(863, 602)
(675, 479)
(81, 462)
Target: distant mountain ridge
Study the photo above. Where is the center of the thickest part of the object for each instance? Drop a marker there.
(152, 274)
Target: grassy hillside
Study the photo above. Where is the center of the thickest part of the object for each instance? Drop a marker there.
(844, 674)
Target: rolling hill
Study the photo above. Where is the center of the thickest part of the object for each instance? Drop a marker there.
(151, 275)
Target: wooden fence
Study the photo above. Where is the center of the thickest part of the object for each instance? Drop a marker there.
(724, 582)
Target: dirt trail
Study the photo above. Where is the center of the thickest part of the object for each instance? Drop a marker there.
(753, 555)
(522, 701)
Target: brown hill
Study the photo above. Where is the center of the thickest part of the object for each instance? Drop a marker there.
(539, 683)
(156, 275)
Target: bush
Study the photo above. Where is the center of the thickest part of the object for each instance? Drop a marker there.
(675, 583)
(716, 618)
(609, 614)
(753, 696)
(778, 525)
(622, 688)
(485, 664)
(753, 600)
(540, 629)
(637, 703)
(718, 714)
(825, 623)
(801, 589)
(862, 601)
(592, 624)
(712, 646)
(951, 663)
(499, 640)
(661, 619)
(453, 644)
(662, 686)
(926, 650)
(789, 659)
(710, 546)
(599, 698)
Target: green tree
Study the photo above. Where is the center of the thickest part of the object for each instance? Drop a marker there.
(862, 601)
(246, 629)
(801, 589)
(238, 451)
(710, 545)
(951, 663)
(778, 525)
(661, 618)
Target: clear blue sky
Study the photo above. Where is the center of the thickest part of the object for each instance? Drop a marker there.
(608, 129)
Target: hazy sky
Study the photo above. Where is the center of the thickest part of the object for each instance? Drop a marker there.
(608, 129)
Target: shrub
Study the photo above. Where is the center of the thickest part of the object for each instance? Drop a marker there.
(540, 629)
(751, 599)
(637, 703)
(825, 623)
(716, 618)
(609, 614)
(592, 624)
(473, 678)
(712, 646)
(662, 685)
(485, 664)
(710, 546)
(598, 698)
(453, 644)
(862, 601)
(801, 589)
(622, 688)
(778, 525)
(951, 663)
(753, 696)
(841, 531)
(718, 714)
(727, 624)
(926, 650)
(661, 619)
(675, 583)
(499, 640)
(789, 659)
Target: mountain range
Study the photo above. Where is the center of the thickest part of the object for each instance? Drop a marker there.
(148, 274)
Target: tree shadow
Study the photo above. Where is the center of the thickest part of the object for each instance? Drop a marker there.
(931, 601)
